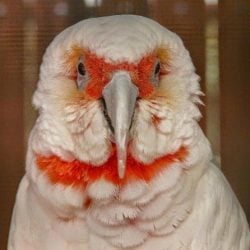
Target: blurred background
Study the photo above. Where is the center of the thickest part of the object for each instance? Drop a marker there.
(217, 34)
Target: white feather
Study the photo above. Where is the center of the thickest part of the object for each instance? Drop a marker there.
(102, 190)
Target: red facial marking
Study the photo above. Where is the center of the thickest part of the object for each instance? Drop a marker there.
(79, 174)
(100, 73)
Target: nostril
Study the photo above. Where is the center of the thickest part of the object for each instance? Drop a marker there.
(105, 113)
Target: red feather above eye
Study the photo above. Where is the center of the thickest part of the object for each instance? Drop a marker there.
(79, 174)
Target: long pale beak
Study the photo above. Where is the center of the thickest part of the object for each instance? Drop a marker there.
(120, 96)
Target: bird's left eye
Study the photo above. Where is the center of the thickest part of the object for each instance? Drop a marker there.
(157, 68)
(82, 76)
(156, 73)
(81, 69)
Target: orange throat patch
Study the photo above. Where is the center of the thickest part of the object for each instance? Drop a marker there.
(79, 174)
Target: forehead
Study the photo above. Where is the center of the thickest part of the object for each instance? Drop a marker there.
(116, 38)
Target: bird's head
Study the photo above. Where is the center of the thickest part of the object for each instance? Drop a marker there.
(120, 85)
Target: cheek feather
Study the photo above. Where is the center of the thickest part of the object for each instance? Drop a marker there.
(79, 174)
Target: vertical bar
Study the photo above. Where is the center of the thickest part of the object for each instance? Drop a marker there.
(51, 18)
(234, 35)
(79, 10)
(11, 111)
(212, 79)
(113, 7)
(30, 67)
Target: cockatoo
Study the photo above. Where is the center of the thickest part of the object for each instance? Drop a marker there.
(116, 159)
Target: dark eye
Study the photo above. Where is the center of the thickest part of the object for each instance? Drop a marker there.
(81, 69)
(82, 74)
(155, 73)
(157, 69)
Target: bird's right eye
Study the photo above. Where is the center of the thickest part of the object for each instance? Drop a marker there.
(82, 76)
(81, 69)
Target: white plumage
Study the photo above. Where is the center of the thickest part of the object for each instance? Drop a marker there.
(187, 204)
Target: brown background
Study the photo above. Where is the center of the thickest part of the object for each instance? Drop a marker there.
(27, 27)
